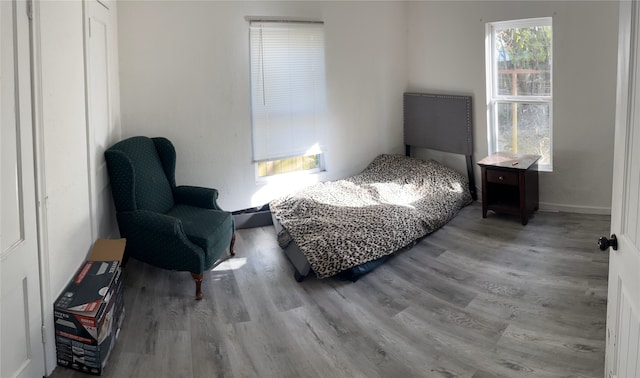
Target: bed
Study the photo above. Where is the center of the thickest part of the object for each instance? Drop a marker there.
(348, 227)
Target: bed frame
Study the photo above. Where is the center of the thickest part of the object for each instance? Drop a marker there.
(431, 121)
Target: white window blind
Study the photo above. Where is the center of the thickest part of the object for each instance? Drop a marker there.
(288, 99)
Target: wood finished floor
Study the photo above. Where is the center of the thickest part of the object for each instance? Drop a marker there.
(478, 298)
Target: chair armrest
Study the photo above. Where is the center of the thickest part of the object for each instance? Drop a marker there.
(197, 196)
(159, 240)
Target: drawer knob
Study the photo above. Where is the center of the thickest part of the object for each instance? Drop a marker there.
(501, 178)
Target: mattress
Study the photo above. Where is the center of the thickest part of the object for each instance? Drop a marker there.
(343, 224)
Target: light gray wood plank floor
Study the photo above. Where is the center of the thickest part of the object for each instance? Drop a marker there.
(477, 298)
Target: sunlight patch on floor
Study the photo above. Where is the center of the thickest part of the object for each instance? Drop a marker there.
(230, 264)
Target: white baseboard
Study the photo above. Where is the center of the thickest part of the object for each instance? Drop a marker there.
(557, 207)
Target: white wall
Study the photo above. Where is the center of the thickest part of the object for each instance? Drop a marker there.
(185, 75)
(61, 121)
(446, 54)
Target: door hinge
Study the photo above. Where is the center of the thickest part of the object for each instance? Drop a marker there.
(43, 331)
(30, 9)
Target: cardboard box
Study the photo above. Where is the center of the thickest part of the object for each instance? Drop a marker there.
(89, 311)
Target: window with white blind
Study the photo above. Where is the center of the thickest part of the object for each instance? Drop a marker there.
(288, 99)
(519, 88)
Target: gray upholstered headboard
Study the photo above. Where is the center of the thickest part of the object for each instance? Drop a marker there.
(440, 122)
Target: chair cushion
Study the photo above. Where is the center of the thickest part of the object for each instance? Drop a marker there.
(203, 226)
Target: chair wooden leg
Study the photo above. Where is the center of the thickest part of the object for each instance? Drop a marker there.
(198, 278)
(232, 251)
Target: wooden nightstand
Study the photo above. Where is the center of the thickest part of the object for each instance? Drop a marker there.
(510, 184)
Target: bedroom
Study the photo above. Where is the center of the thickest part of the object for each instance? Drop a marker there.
(169, 56)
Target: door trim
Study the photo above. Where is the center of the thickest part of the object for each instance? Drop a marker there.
(41, 199)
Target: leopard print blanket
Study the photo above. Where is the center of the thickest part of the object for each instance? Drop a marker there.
(394, 201)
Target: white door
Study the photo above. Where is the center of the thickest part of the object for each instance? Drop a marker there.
(100, 129)
(21, 348)
(623, 310)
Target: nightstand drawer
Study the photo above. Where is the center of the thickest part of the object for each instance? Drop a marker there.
(502, 177)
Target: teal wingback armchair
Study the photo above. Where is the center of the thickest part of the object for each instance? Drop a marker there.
(172, 227)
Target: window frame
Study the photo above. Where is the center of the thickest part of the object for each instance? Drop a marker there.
(318, 110)
(494, 97)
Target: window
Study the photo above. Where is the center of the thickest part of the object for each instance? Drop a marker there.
(519, 88)
(288, 100)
